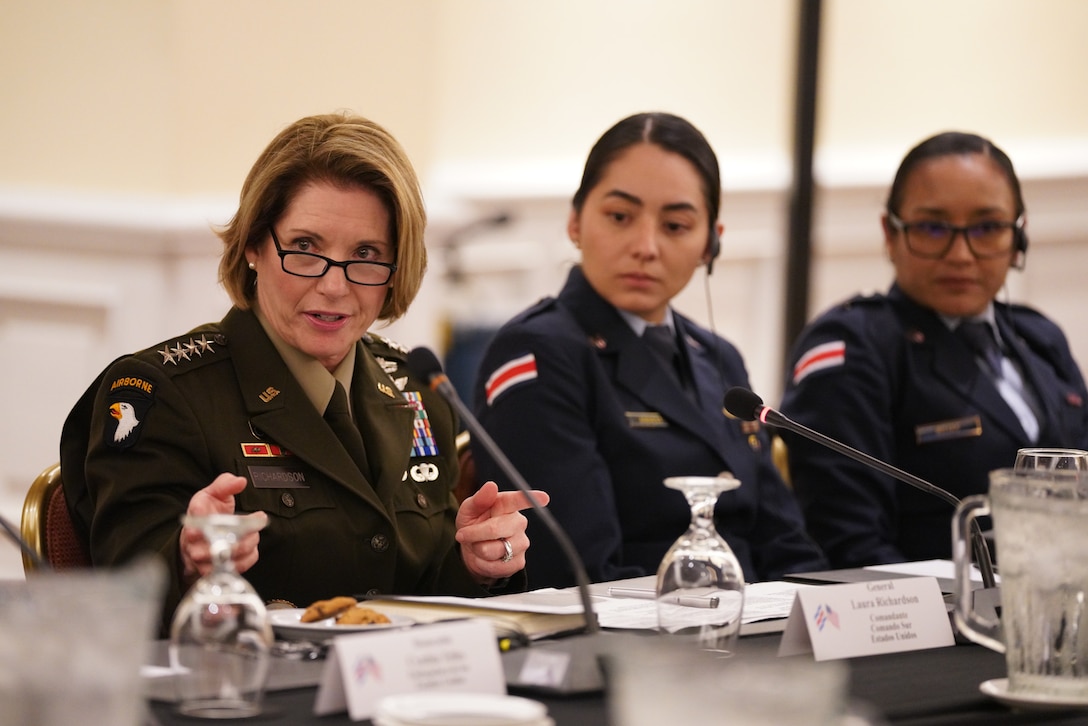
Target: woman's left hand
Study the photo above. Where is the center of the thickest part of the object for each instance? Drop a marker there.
(491, 530)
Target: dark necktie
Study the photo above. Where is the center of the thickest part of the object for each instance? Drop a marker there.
(980, 337)
(339, 417)
(662, 342)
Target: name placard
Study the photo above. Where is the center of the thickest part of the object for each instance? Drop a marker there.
(867, 618)
(363, 668)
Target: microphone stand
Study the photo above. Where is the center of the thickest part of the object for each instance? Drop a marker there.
(581, 669)
(581, 579)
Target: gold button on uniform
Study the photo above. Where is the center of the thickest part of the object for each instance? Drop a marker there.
(379, 543)
(287, 499)
(421, 500)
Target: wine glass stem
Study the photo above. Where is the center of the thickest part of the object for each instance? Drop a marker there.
(702, 512)
(221, 548)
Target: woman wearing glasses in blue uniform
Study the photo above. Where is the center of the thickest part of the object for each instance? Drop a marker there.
(936, 376)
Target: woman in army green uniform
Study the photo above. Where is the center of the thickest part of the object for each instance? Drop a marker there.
(240, 415)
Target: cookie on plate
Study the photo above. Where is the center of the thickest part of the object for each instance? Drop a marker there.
(361, 615)
(327, 608)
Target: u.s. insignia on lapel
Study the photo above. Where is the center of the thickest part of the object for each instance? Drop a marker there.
(423, 443)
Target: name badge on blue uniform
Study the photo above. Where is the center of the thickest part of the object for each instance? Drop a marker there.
(957, 428)
(645, 420)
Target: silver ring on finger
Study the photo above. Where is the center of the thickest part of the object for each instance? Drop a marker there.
(509, 550)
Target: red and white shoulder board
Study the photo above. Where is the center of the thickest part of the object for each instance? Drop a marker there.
(818, 358)
(519, 370)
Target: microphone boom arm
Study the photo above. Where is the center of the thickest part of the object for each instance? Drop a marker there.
(767, 414)
(440, 381)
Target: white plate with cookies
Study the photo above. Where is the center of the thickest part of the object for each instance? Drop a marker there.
(329, 618)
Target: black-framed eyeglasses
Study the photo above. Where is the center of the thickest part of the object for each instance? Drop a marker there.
(307, 264)
(933, 239)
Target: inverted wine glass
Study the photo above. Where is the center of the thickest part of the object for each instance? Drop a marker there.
(1044, 460)
(221, 635)
(700, 584)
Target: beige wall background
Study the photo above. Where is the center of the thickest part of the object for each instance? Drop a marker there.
(176, 97)
(128, 126)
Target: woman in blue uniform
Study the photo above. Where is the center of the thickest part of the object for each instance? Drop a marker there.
(936, 376)
(584, 399)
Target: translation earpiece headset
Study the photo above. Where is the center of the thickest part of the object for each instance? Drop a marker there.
(1020, 245)
(713, 248)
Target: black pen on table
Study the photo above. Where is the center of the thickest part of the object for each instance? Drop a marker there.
(691, 601)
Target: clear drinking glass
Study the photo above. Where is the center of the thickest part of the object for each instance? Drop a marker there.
(700, 585)
(221, 635)
(72, 643)
(1051, 460)
(1039, 522)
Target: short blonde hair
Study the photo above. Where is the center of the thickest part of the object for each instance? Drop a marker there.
(341, 149)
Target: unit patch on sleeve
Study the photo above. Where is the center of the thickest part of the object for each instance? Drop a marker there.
(819, 358)
(129, 402)
(520, 370)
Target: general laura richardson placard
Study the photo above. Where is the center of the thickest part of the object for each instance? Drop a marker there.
(866, 618)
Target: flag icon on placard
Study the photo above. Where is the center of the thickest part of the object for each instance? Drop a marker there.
(825, 615)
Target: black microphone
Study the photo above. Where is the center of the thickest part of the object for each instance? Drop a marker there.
(746, 405)
(584, 673)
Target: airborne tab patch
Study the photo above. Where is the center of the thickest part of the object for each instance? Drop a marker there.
(128, 403)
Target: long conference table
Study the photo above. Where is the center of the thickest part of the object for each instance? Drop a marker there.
(931, 687)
